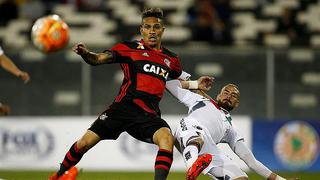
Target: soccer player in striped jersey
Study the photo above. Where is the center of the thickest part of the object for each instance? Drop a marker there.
(146, 65)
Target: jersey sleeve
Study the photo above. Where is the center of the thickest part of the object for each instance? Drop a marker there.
(185, 96)
(121, 53)
(176, 69)
(184, 76)
(247, 156)
(233, 137)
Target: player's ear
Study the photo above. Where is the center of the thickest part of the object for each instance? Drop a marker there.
(236, 104)
(163, 27)
(218, 97)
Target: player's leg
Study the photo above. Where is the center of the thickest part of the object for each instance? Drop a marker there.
(191, 151)
(164, 139)
(195, 163)
(221, 167)
(227, 171)
(198, 166)
(77, 150)
(190, 139)
(104, 127)
(153, 129)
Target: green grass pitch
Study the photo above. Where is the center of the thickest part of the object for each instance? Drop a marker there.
(89, 175)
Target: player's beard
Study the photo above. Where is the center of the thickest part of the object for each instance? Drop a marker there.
(225, 105)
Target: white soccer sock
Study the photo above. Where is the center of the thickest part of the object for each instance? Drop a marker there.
(190, 155)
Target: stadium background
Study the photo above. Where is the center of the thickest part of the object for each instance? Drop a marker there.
(269, 48)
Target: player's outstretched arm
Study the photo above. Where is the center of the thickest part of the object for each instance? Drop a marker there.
(91, 57)
(185, 96)
(204, 83)
(274, 176)
(247, 156)
(175, 87)
(8, 65)
(200, 86)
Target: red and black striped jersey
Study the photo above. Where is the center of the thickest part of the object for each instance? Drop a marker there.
(145, 73)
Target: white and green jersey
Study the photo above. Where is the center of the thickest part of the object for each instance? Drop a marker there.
(215, 120)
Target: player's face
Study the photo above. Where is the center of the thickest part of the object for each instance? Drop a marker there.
(229, 97)
(151, 30)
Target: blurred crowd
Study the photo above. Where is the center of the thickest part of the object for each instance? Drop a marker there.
(208, 20)
(33, 9)
(287, 24)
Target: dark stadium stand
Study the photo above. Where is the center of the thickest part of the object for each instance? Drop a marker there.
(273, 23)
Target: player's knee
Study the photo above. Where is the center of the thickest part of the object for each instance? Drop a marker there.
(198, 142)
(164, 139)
(167, 139)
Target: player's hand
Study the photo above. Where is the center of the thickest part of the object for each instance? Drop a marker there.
(24, 76)
(205, 83)
(4, 109)
(274, 176)
(80, 49)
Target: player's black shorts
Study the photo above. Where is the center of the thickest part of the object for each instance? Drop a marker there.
(127, 116)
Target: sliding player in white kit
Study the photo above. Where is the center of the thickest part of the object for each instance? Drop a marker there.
(207, 124)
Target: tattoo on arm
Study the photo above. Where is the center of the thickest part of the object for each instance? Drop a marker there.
(98, 58)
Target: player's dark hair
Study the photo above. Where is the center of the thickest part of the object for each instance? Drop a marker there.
(152, 12)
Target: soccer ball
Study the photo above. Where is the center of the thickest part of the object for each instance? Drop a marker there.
(50, 33)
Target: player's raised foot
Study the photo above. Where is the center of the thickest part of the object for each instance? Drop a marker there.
(54, 177)
(71, 174)
(198, 166)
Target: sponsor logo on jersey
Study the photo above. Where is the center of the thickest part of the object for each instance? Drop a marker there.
(103, 116)
(145, 54)
(167, 61)
(140, 46)
(156, 70)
